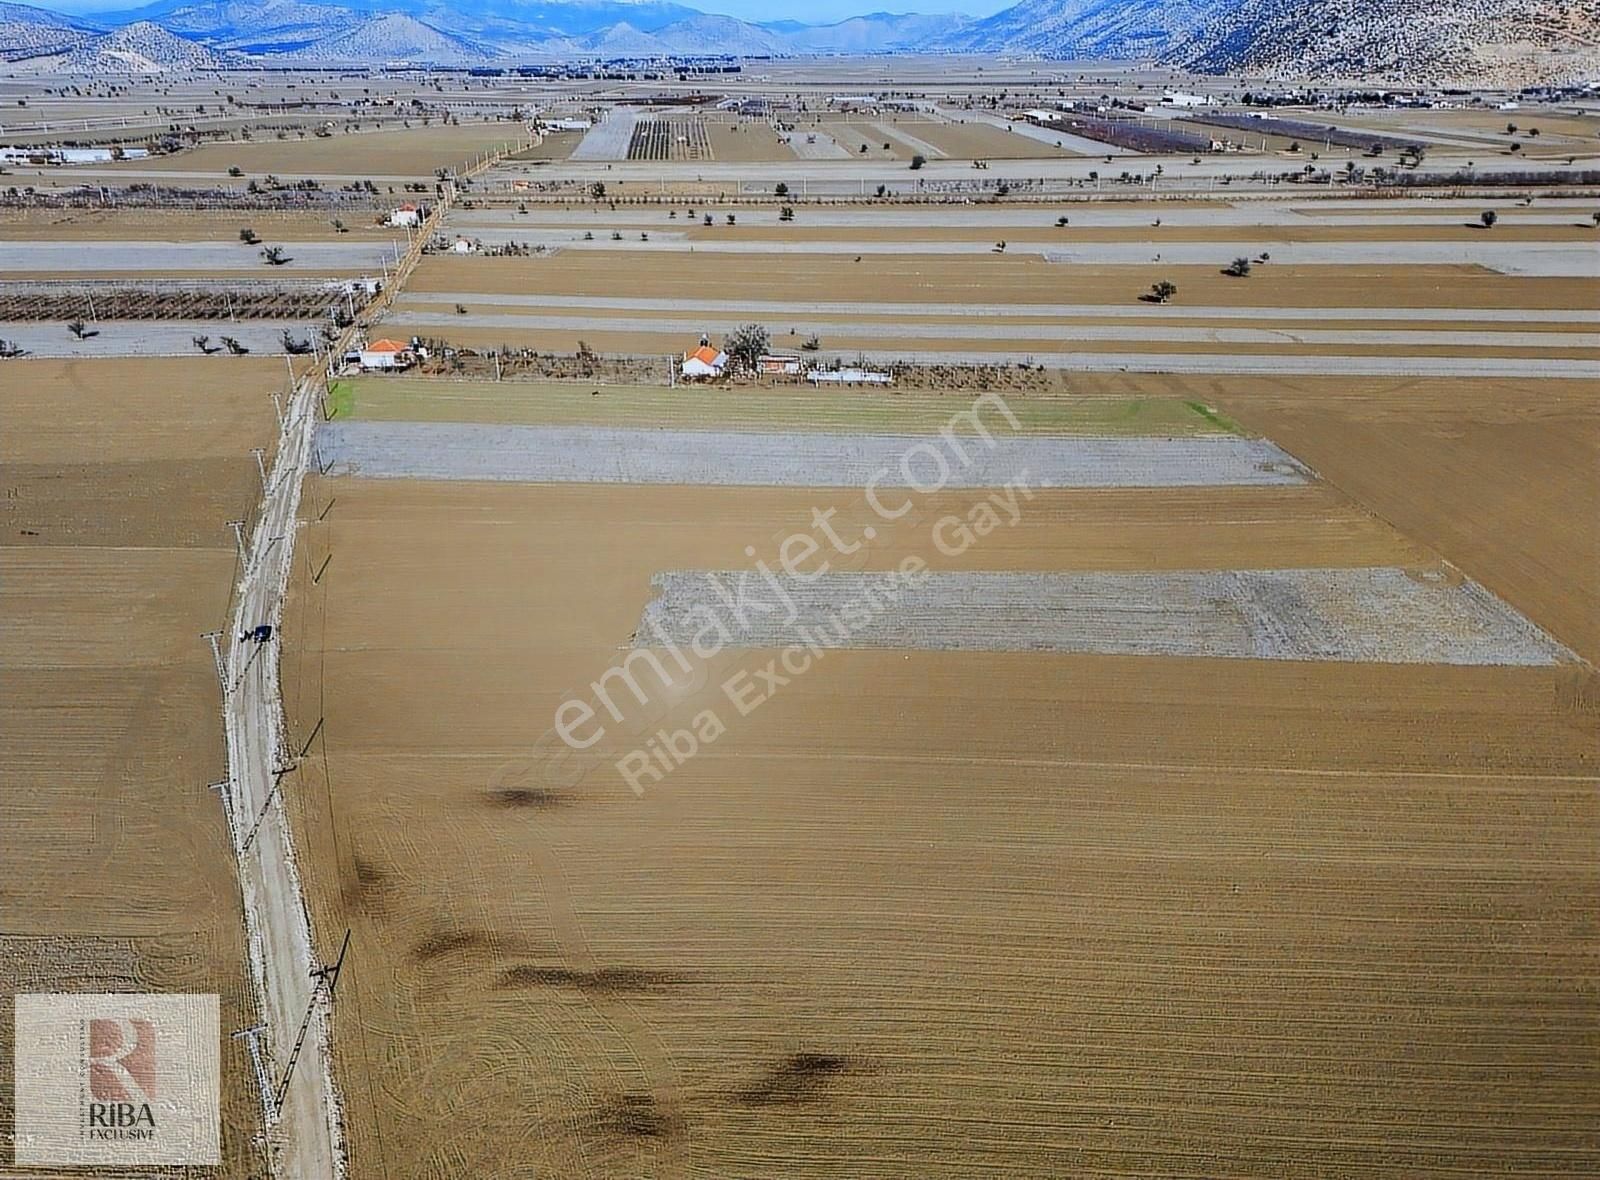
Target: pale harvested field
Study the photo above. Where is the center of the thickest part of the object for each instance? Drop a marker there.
(980, 141)
(555, 145)
(414, 151)
(853, 134)
(746, 140)
(997, 279)
(930, 914)
(119, 477)
(764, 227)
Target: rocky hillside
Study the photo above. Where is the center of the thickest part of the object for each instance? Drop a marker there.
(32, 32)
(268, 26)
(394, 37)
(1085, 28)
(1502, 42)
(143, 48)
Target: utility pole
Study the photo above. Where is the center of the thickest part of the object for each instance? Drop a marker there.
(261, 465)
(216, 655)
(238, 536)
(252, 1039)
(327, 976)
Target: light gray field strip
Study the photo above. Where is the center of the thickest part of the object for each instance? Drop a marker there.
(1143, 311)
(607, 139)
(63, 257)
(816, 145)
(911, 141)
(144, 338)
(1385, 615)
(1046, 135)
(581, 454)
(1054, 333)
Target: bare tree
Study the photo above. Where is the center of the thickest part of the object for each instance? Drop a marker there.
(274, 256)
(747, 344)
(234, 347)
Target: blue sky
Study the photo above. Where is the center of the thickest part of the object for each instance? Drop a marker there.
(824, 11)
(810, 11)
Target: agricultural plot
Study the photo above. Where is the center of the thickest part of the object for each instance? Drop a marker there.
(156, 300)
(582, 454)
(709, 1006)
(746, 141)
(1385, 616)
(609, 139)
(121, 476)
(405, 153)
(48, 259)
(675, 138)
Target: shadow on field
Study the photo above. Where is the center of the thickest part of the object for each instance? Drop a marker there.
(636, 1116)
(798, 1079)
(512, 798)
(601, 980)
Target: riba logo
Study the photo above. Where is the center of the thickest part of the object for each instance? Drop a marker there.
(122, 1077)
(117, 1079)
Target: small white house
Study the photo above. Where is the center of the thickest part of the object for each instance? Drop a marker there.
(405, 215)
(704, 361)
(1179, 99)
(386, 354)
(464, 246)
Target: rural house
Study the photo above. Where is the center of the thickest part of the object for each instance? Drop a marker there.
(704, 361)
(386, 354)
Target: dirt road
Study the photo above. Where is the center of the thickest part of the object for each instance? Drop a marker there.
(303, 1116)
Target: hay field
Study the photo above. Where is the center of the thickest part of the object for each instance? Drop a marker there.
(120, 476)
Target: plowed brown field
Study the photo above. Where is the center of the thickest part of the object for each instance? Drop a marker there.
(931, 914)
(119, 477)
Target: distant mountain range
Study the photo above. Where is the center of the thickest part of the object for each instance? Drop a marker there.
(1488, 41)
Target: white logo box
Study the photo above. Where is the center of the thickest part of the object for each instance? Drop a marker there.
(126, 1078)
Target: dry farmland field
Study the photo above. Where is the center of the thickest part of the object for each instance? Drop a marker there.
(925, 912)
(119, 477)
(1152, 734)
